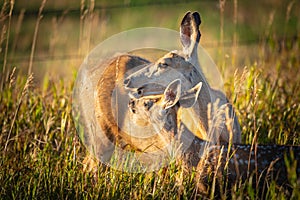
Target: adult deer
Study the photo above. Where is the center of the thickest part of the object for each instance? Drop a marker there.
(208, 124)
(186, 67)
(230, 161)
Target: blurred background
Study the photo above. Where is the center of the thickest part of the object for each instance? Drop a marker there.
(53, 37)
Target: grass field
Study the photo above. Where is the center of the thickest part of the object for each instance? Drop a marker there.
(41, 156)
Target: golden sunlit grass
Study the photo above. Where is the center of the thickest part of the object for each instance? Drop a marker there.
(42, 157)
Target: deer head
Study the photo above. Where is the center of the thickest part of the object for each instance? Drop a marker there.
(174, 65)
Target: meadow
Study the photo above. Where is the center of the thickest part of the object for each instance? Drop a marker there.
(257, 50)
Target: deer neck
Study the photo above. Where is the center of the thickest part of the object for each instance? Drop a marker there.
(190, 119)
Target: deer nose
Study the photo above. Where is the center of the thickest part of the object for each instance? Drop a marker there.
(126, 82)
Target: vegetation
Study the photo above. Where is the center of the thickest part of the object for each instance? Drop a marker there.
(41, 156)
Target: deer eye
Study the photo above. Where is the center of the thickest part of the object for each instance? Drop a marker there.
(163, 65)
(140, 92)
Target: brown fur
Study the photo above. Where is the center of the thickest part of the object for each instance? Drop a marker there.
(113, 73)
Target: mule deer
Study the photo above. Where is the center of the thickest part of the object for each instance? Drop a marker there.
(185, 66)
(153, 79)
(230, 161)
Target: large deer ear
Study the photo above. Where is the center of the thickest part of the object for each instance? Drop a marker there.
(190, 97)
(189, 32)
(172, 94)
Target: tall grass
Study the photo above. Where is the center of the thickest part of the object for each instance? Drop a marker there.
(41, 156)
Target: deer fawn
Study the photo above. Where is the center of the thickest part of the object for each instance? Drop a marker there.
(232, 161)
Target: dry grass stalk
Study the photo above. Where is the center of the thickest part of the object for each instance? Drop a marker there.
(89, 24)
(235, 16)
(221, 44)
(2, 37)
(17, 30)
(82, 16)
(6, 44)
(287, 18)
(215, 175)
(28, 84)
(238, 82)
(254, 140)
(36, 29)
(12, 77)
(86, 24)
(53, 37)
